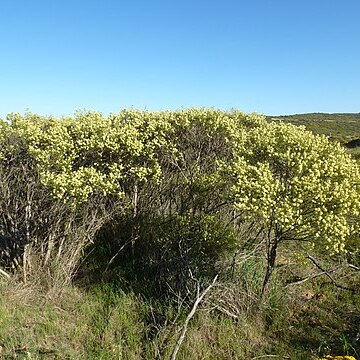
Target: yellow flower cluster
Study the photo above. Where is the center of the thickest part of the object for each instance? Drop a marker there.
(296, 183)
(279, 175)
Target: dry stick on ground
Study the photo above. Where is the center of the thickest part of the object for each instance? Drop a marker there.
(313, 276)
(354, 267)
(328, 274)
(188, 318)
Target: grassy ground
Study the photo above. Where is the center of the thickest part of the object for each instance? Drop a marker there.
(355, 152)
(102, 321)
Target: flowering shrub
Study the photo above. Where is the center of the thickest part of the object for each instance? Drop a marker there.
(300, 186)
(293, 185)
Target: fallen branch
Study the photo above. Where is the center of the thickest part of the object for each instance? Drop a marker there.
(312, 276)
(323, 272)
(226, 312)
(354, 267)
(327, 273)
(188, 318)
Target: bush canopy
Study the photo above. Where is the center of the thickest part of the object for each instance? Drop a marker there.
(186, 166)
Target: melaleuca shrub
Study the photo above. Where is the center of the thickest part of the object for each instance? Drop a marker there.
(297, 185)
(90, 153)
(226, 165)
(39, 233)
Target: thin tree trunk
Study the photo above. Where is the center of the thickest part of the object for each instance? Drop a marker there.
(135, 231)
(271, 261)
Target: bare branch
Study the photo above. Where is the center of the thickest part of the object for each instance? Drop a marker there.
(313, 260)
(117, 254)
(312, 276)
(188, 318)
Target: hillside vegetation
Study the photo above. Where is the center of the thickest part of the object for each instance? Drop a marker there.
(193, 234)
(342, 127)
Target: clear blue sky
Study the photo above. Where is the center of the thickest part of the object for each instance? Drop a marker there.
(268, 56)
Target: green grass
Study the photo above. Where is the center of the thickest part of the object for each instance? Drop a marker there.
(354, 152)
(341, 127)
(99, 324)
(104, 322)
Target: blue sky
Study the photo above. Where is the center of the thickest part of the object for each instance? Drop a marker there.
(268, 56)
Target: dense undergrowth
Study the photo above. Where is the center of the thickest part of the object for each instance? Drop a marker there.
(112, 227)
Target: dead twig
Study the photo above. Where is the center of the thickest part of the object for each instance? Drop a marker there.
(312, 276)
(4, 273)
(117, 254)
(327, 273)
(226, 312)
(323, 272)
(188, 318)
(354, 267)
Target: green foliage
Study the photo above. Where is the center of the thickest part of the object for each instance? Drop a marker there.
(299, 186)
(88, 154)
(185, 249)
(197, 165)
(40, 233)
(341, 127)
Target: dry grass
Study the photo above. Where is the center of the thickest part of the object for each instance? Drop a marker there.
(303, 321)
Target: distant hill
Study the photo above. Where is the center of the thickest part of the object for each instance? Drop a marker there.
(342, 127)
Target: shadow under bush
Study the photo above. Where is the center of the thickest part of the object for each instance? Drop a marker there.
(160, 257)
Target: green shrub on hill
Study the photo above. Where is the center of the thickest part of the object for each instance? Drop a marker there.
(233, 167)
